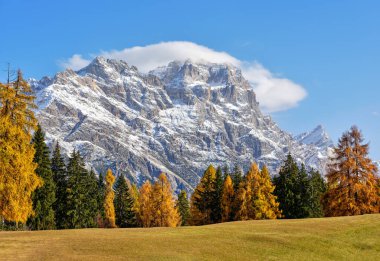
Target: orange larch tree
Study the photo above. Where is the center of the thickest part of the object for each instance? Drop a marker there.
(351, 179)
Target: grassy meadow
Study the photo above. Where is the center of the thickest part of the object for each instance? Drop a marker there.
(342, 238)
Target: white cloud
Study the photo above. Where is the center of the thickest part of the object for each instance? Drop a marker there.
(273, 93)
(76, 62)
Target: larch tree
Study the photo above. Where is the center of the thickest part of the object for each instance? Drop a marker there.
(183, 207)
(165, 214)
(244, 198)
(18, 179)
(202, 200)
(227, 199)
(58, 169)
(146, 205)
(100, 199)
(264, 202)
(125, 216)
(43, 197)
(351, 178)
(109, 208)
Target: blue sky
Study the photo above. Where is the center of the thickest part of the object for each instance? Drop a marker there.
(330, 48)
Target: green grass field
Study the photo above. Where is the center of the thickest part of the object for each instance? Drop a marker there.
(343, 238)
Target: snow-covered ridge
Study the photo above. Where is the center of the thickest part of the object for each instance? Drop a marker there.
(177, 119)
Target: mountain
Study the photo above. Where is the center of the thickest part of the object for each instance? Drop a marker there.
(317, 137)
(177, 119)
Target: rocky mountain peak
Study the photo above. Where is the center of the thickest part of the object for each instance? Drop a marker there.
(318, 137)
(176, 119)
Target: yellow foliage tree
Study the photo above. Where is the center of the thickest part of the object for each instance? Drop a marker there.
(109, 208)
(165, 214)
(227, 199)
(265, 205)
(17, 170)
(145, 203)
(351, 178)
(244, 197)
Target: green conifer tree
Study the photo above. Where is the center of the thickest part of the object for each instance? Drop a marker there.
(217, 204)
(286, 188)
(80, 205)
(43, 197)
(58, 169)
(183, 207)
(123, 202)
(317, 187)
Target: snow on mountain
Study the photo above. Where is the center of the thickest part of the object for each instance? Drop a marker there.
(177, 119)
(317, 137)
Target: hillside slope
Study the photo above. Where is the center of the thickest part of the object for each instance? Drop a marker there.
(343, 238)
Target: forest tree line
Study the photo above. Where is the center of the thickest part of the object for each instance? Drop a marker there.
(41, 190)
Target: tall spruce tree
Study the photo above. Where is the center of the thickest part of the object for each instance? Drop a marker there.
(92, 192)
(302, 194)
(183, 207)
(237, 177)
(217, 204)
(203, 198)
(286, 188)
(351, 178)
(79, 205)
(125, 216)
(58, 169)
(100, 198)
(43, 197)
(317, 188)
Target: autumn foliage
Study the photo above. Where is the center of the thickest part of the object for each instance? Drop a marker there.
(352, 180)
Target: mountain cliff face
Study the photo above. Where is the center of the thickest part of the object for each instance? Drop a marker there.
(177, 119)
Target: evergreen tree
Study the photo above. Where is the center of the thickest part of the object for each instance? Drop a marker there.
(217, 204)
(302, 194)
(237, 177)
(58, 169)
(264, 202)
(92, 208)
(108, 201)
(17, 172)
(134, 192)
(100, 197)
(165, 214)
(183, 207)
(286, 188)
(80, 199)
(317, 187)
(351, 178)
(146, 205)
(125, 216)
(203, 198)
(227, 200)
(43, 197)
(226, 172)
